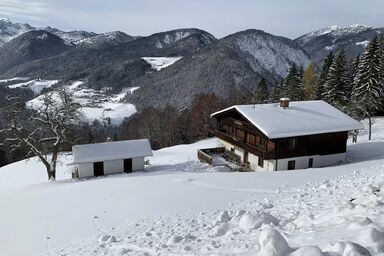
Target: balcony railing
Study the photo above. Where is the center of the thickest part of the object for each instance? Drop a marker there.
(247, 147)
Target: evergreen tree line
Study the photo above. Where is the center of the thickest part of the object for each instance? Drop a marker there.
(354, 86)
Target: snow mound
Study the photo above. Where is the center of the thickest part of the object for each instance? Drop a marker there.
(272, 243)
(220, 230)
(374, 238)
(348, 249)
(251, 221)
(308, 251)
(223, 217)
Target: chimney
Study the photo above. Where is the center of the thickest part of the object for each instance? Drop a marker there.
(284, 103)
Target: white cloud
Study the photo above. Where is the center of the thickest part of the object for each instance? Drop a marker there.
(23, 9)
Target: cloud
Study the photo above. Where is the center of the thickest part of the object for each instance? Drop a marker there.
(24, 9)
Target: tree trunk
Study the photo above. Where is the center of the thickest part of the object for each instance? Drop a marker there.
(52, 168)
(370, 128)
(46, 164)
(52, 175)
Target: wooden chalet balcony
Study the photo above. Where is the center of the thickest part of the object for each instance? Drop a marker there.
(247, 147)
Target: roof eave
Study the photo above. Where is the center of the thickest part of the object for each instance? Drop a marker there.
(107, 159)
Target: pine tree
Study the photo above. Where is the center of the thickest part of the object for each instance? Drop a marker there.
(261, 94)
(291, 84)
(309, 82)
(368, 86)
(323, 75)
(355, 67)
(3, 158)
(337, 85)
(275, 93)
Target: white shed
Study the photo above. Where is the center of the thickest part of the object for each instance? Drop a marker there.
(110, 157)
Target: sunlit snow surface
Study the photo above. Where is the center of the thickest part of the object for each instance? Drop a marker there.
(182, 207)
(158, 63)
(35, 85)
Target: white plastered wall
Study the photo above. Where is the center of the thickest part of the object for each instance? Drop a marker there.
(282, 164)
(85, 170)
(268, 165)
(115, 166)
(318, 161)
(137, 163)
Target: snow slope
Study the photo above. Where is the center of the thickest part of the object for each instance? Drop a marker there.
(97, 104)
(35, 85)
(159, 63)
(182, 207)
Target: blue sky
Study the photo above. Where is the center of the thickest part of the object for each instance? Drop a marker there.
(289, 18)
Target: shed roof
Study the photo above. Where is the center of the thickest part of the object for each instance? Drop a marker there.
(108, 151)
(299, 119)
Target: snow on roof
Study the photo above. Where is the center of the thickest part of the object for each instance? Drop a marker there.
(299, 119)
(108, 151)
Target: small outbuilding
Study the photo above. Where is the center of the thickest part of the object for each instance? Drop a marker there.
(110, 157)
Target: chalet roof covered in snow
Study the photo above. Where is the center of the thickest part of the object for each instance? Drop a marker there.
(108, 151)
(299, 119)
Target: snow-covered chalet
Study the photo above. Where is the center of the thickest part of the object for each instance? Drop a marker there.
(286, 135)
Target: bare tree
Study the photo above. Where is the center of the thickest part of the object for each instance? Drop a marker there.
(45, 129)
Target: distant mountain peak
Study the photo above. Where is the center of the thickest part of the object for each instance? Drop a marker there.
(334, 30)
(352, 39)
(10, 30)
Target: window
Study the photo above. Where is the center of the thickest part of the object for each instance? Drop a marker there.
(292, 144)
(226, 128)
(291, 165)
(257, 140)
(263, 142)
(310, 163)
(261, 162)
(251, 139)
(240, 134)
(270, 146)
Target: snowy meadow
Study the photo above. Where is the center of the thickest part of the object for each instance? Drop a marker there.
(179, 206)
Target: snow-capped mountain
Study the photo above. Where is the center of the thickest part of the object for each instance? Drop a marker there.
(236, 62)
(334, 30)
(163, 40)
(266, 52)
(105, 39)
(30, 46)
(9, 30)
(70, 37)
(351, 38)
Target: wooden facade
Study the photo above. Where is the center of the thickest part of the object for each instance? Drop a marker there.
(238, 131)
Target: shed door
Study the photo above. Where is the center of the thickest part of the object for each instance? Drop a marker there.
(291, 165)
(310, 163)
(98, 168)
(128, 165)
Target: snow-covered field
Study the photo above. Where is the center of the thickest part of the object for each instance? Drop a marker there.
(98, 105)
(158, 63)
(35, 85)
(182, 207)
